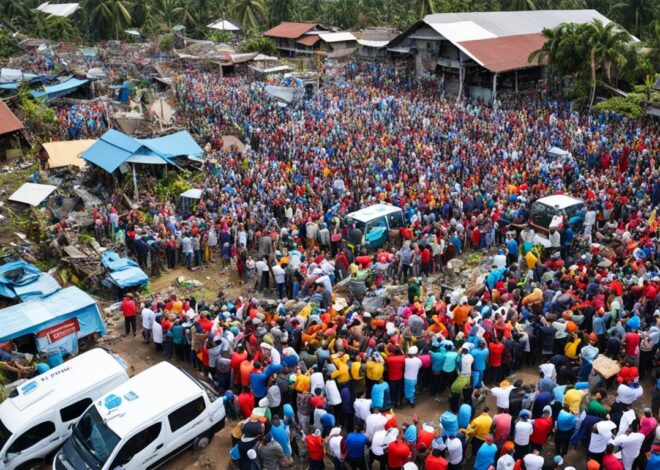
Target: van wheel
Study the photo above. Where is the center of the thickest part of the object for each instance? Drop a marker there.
(202, 441)
(31, 465)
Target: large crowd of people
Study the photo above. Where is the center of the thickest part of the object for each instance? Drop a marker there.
(315, 381)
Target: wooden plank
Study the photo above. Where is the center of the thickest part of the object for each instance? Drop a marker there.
(74, 252)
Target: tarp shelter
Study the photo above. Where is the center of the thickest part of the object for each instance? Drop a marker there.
(224, 25)
(32, 193)
(192, 193)
(124, 272)
(58, 9)
(67, 152)
(24, 281)
(55, 320)
(9, 123)
(61, 89)
(115, 148)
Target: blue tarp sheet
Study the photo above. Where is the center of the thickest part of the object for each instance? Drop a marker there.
(25, 281)
(38, 314)
(61, 89)
(124, 272)
(114, 148)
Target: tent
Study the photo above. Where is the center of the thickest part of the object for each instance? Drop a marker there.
(24, 281)
(124, 272)
(115, 148)
(192, 194)
(53, 319)
(32, 194)
(67, 152)
(224, 25)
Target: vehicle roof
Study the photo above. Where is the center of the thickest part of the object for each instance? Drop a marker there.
(47, 390)
(369, 213)
(144, 397)
(561, 201)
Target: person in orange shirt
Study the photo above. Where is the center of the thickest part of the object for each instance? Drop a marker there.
(461, 313)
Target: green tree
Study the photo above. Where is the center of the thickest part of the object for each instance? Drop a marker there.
(634, 14)
(278, 11)
(109, 18)
(424, 7)
(522, 5)
(261, 44)
(250, 13)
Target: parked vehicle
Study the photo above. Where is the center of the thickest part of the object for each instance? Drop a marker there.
(39, 415)
(374, 223)
(144, 422)
(547, 213)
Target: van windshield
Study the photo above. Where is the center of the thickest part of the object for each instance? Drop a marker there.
(93, 439)
(356, 223)
(5, 434)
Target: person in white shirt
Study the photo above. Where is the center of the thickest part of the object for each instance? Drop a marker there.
(627, 418)
(157, 332)
(148, 319)
(379, 443)
(362, 407)
(506, 461)
(466, 361)
(334, 447)
(501, 394)
(627, 395)
(521, 433)
(601, 434)
(533, 461)
(374, 423)
(454, 451)
(279, 274)
(630, 444)
(499, 260)
(316, 381)
(332, 393)
(412, 366)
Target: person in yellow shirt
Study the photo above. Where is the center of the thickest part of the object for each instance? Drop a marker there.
(479, 429)
(571, 347)
(303, 383)
(374, 369)
(341, 374)
(357, 375)
(573, 399)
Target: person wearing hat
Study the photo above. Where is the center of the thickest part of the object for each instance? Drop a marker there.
(334, 445)
(522, 431)
(542, 427)
(315, 450)
(412, 366)
(506, 461)
(128, 310)
(486, 455)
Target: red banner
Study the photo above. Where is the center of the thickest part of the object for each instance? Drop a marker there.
(57, 332)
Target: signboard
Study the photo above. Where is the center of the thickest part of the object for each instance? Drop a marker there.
(62, 330)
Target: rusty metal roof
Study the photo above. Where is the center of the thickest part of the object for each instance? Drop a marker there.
(8, 121)
(290, 30)
(504, 53)
(308, 40)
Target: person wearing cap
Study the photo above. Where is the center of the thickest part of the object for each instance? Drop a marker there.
(412, 366)
(506, 461)
(486, 454)
(315, 450)
(501, 394)
(128, 310)
(522, 431)
(542, 427)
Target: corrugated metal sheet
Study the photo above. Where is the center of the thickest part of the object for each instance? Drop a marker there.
(509, 23)
(32, 194)
(8, 120)
(290, 30)
(337, 37)
(61, 89)
(462, 31)
(505, 53)
(308, 40)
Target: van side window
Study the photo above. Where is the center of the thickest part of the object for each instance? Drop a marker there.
(396, 220)
(74, 410)
(32, 436)
(136, 444)
(186, 413)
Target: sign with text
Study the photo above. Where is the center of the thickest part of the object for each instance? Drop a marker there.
(61, 330)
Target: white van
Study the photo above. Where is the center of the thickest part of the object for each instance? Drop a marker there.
(39, 415)
(144, 422)
(375, 223)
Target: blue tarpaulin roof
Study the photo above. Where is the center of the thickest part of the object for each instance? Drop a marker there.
(61, 89)
(115, 148)
(25, 281)
(124, 272)
(39, 313)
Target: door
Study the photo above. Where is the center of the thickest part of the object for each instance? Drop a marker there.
(141, 449)
(187, 422)
(34, 444)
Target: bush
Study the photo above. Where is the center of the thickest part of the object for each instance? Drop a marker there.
(627, 106)
(262, 45)
(8, 44)
(166, 43)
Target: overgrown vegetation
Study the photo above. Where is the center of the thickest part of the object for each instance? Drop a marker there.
(8, 45)
(172, 185)
(263, 45)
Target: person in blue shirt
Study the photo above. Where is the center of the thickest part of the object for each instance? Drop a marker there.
(480, 354)
(511, 250)
(486, 455)
(327, 423)
(449, 368)
(280, 432)
(653, 462)
(566, 422)
(258, 379)
(356, 443)
(437, 361)
(378, 395)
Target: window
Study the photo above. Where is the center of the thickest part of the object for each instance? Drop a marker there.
(137, 444)
(5, 434)
(31, 437)
(74, 410)
(396, 220)
(186, 413)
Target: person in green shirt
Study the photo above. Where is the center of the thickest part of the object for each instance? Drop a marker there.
(461, 386)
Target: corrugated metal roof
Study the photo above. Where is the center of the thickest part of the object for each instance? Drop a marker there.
(290, 30)
(509, 23)
(61, 89)
(371, 43)
(32, 193)
(8, 120)
(308, 40)
(337, 37)
(462, 31)
(505, 53)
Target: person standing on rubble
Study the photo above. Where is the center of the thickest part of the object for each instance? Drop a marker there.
(128, 310)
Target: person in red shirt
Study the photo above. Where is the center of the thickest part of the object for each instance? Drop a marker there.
(395, 364)
(246, 402)
(398, 453)
(128, 309)
(315, 450)
(435, 461)
(541, 430)
(632, 340)
(425, 259)
(495, 350)
(237, 357)
(610, 462)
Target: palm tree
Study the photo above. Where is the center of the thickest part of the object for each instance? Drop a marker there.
(279, 10)
(16, 12)
(522, 5)
(110, 16)
(250, 13)
(634, 13)
(607, 47)
(424, 7)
